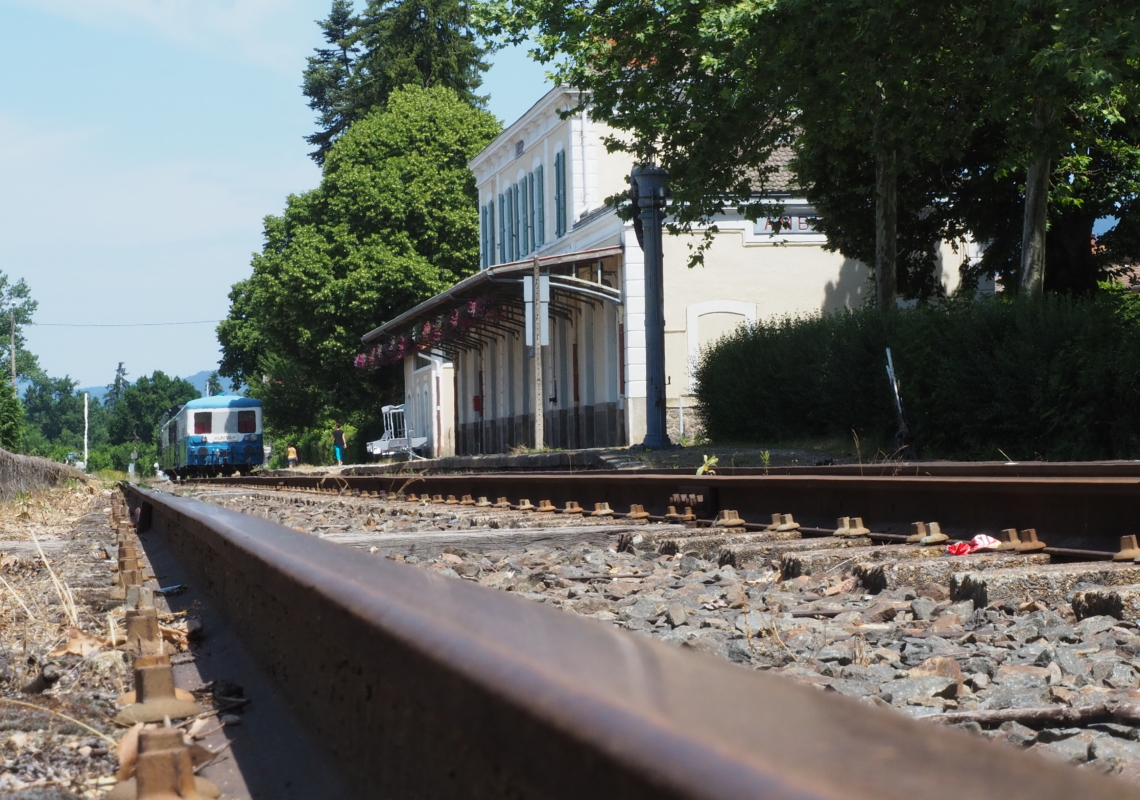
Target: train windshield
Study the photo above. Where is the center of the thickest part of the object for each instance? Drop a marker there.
(203, 422)
(247, 421)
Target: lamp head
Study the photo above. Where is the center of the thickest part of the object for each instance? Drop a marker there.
(650, 185)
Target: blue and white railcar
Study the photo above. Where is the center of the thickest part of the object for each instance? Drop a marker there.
(212, 435)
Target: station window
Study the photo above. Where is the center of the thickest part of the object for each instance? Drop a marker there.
(560, 192)
(247, 422)
(203, 422)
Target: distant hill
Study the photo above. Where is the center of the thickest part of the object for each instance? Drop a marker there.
(199, 380)
(96, 392)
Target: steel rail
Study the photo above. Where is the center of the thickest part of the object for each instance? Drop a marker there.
(579, 461)
(945, 469)
(430, 687)
(1086, 513)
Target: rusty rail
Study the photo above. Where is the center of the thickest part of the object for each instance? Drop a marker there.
(571, 461)
(950, 469)
(426, 686)
(1084, 513)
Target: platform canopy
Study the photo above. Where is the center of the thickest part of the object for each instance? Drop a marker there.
(489, 305)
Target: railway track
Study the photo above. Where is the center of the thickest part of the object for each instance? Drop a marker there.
(1084, 511)
(469, 692)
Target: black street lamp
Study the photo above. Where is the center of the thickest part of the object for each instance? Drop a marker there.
(648, 187)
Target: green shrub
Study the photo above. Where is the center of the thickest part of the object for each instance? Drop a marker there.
(1057, 378)
(11, 420)
(314, 446)
(118, 456)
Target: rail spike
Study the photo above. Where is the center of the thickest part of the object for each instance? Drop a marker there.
(165, 769)
(728, 518)
(155, 698)
(934, 535)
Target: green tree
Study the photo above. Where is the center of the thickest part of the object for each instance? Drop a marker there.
(393, 222)
(54, 409)
(1096, 174)
(116, 387)
(53, 417)
(872, 96)
(1050, 67)
(893, 93)
(213, 384)
(427, 43)
(327, 77)
(11, 422)
(138, 411)
(17, 305)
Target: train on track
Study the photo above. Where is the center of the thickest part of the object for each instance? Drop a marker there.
(220, 435)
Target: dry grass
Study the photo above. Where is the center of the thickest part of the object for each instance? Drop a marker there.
(62, 590)
(40, 512)
(40, 560)
(53, 584)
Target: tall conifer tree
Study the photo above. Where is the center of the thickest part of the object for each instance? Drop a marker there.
(327, 76)
(426, 43)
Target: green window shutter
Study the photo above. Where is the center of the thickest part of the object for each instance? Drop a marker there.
(540, 210)
(524, 226)
(510, 225)
(490, 233)
(560, 193)
(483, 237)
(516, 251)
(502, 229)
(520, 231)
(532, 238)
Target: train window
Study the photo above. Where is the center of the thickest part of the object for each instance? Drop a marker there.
(203, 422)
(247, 421)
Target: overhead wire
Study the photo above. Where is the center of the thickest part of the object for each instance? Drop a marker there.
(119, 324)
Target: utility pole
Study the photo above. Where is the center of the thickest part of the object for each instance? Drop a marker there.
(539, 400)
(12, 346)
(85, 431)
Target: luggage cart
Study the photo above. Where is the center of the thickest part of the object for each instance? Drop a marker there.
(396, 438)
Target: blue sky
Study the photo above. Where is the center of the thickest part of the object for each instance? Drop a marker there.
(141, 144)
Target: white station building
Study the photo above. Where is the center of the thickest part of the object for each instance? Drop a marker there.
(470, 383)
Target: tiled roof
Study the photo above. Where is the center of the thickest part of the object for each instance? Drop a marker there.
(778, 176)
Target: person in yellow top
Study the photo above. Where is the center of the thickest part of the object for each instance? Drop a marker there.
(292, 454)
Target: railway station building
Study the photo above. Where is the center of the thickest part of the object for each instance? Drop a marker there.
(469, 375)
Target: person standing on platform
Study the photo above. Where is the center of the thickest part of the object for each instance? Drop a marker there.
(339, 441)
(291, 454)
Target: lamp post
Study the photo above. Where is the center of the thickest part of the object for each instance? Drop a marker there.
(648, 186)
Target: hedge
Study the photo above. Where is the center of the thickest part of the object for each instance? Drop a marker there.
(1055, 379)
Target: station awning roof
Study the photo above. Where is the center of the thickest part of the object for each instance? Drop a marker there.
(485, 280)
